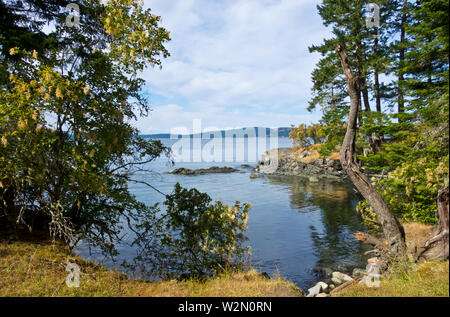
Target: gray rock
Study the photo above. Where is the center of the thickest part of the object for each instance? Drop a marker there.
(313, 179)
(314, 291)
(323, 286)
(341, 276)
(357, 272)
(254, 175)
(336, 280)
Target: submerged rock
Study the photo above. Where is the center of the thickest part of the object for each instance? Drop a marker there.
(213, 169)
(324, 271)
(357, 272)
(254, 175)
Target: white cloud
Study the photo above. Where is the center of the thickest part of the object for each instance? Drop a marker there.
(246, 55)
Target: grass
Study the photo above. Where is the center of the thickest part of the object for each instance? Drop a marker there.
(408, 279)
(38, 269)
(313, 153)
(423, 280)
(30, 268)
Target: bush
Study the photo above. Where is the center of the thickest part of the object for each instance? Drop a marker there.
(193, 236)
(411, 191)
(306, 135)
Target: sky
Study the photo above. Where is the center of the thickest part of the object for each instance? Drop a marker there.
(233, 63)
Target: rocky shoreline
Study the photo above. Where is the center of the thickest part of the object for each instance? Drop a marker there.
(336, 280)
(284, 161)
(213, 169)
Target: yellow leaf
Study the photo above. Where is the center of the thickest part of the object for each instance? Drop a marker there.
(4, 141)
(58, 93)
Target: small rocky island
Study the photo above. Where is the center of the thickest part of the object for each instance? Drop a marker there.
(300, 162)
(213, 169)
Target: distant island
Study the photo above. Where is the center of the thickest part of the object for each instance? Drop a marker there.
(282, 132)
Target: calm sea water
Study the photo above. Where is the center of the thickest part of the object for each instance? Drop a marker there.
(294, 225)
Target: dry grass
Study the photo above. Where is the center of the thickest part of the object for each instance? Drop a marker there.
(416, 234)
(334, 156)
(425, 280)
(409, 279)
(314, 154)
(35, 269)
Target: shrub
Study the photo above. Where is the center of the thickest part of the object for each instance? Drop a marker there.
(306, 135)
(194, 236)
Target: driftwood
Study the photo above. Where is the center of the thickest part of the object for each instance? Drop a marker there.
(368, 239)
(393, 231)
(436, 247)
(345, 285)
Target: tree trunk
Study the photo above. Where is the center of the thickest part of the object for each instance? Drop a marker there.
(365, 93)
(362, 78)
(392, 229)
(376, 76)
(436, 247)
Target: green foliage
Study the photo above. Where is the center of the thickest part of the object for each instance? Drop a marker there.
(410, 191)
(68, 150)
(194, 236)
(411, 146)
(333, 128)
(412, 188)
(306, 135)
(369, 218)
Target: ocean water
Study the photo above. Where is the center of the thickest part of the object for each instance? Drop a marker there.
(294, 225)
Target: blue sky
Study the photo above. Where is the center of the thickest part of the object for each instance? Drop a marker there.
(233, 63)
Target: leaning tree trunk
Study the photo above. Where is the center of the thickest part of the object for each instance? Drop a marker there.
(393, 231)
(436, 247)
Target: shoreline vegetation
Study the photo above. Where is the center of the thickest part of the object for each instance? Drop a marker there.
(69, 149)
(37, 268)
(301, 161)
(30, 268)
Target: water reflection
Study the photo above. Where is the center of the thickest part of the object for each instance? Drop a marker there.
(332, 237)
(294, 225)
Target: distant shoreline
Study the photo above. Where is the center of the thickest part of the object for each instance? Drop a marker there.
(249, 131)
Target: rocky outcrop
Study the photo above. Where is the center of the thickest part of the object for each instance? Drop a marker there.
(213, 169)
(284, 162)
